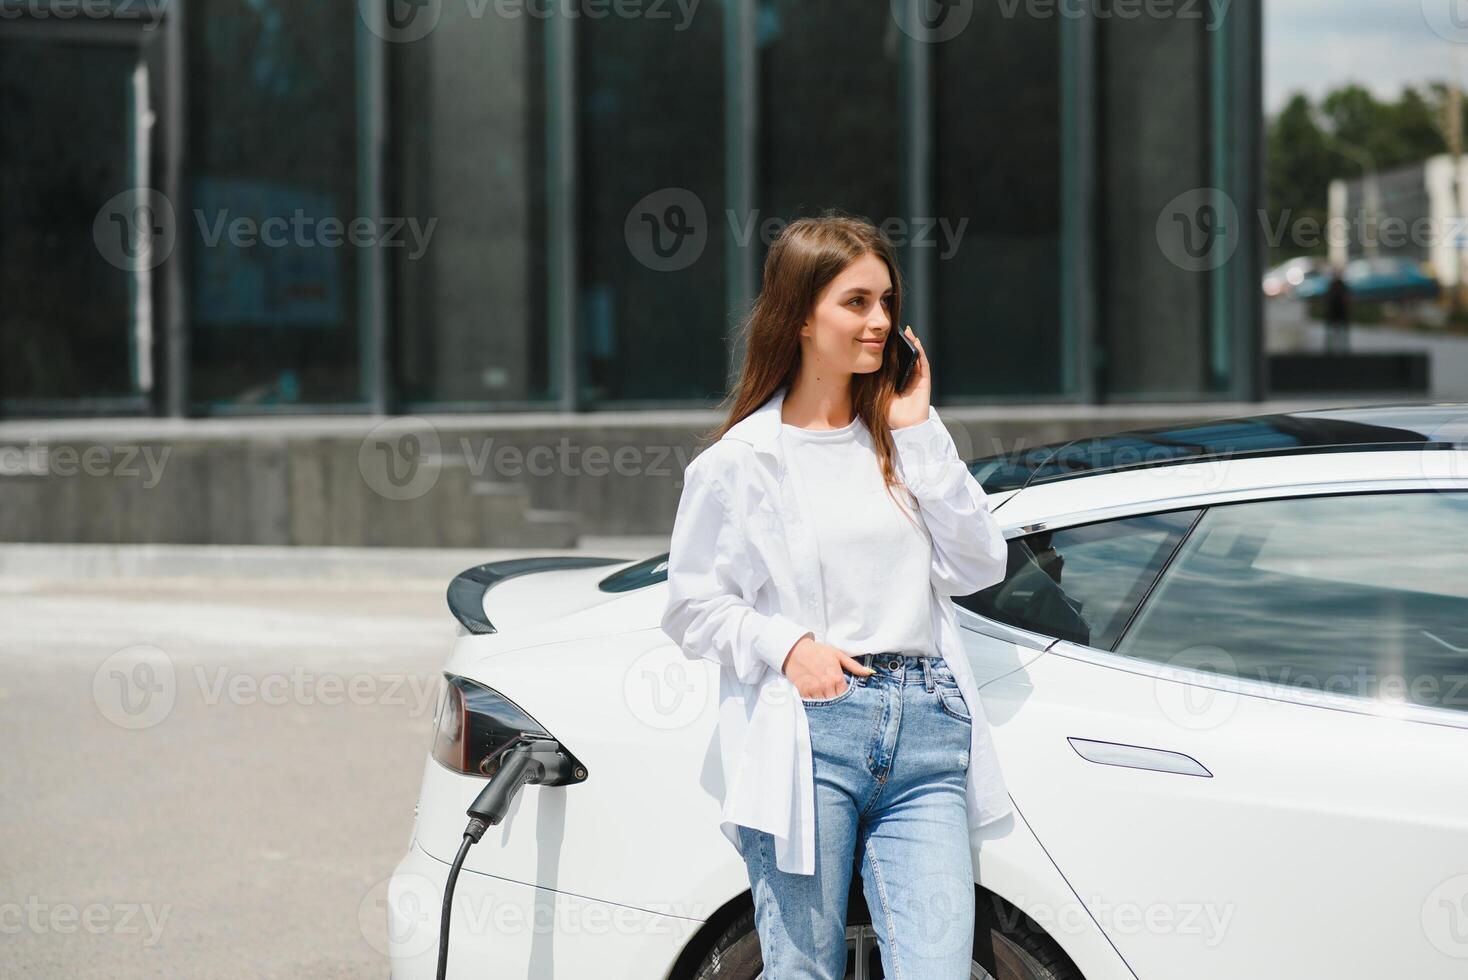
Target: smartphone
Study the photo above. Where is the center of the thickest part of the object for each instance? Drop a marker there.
(906, 360)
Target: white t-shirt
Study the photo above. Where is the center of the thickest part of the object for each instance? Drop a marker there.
(874, 559)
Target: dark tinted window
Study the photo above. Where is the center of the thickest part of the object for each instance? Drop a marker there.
(1399, 427)
(469, 154)
(646, 572)
(829, 117)
(1001, 283)
(273, 148)
(1082, 583)
(68, 326)
(649, 208)
(1365, 595)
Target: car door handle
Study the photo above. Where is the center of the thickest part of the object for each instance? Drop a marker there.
(1136, 757)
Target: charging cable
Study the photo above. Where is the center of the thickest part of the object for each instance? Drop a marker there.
(533, 760)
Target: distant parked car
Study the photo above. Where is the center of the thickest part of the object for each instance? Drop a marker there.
(1390, 279)
(1285, 278)
(1379, 280)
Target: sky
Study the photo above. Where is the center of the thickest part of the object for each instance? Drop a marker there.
(1318, 45)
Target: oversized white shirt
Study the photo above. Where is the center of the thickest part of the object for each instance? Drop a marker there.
(744, 585)
(874, 554)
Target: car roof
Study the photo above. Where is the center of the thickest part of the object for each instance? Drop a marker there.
(1171, 467)
(1152, 490)
(1277, 436)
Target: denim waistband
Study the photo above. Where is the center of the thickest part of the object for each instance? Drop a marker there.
(902, 669)
(891, 661)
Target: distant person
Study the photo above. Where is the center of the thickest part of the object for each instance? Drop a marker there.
(1337, 313)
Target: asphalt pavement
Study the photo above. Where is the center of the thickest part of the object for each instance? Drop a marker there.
(209, 770)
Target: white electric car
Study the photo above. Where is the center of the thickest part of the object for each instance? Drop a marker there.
(1226, 677)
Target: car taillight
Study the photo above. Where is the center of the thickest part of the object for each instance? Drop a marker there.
(474, 724)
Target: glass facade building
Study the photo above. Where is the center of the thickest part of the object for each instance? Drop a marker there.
(213, 207)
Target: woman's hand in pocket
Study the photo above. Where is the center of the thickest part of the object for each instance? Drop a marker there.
(815, 668)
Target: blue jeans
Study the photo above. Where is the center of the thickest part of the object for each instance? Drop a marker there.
(890, 758)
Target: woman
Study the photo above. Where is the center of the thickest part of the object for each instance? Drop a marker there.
(848, 714)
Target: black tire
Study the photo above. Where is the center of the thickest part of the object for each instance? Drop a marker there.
(1007, 944)
(1010, 946)
(735, 954)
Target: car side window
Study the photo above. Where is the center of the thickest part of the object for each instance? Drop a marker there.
(1082, 583)
(1363, 595)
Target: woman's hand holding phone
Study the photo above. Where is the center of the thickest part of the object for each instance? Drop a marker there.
(815, 668)
(910, 406)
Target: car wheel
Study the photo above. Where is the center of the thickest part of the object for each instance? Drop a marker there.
(1008, 945)
(1010, 948)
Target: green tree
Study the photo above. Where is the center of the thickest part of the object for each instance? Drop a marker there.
(1299, 166)
(1310, 145)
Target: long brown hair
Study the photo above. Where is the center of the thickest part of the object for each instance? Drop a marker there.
(808, 254)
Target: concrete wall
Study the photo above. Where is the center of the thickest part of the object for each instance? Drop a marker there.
(531, 481)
